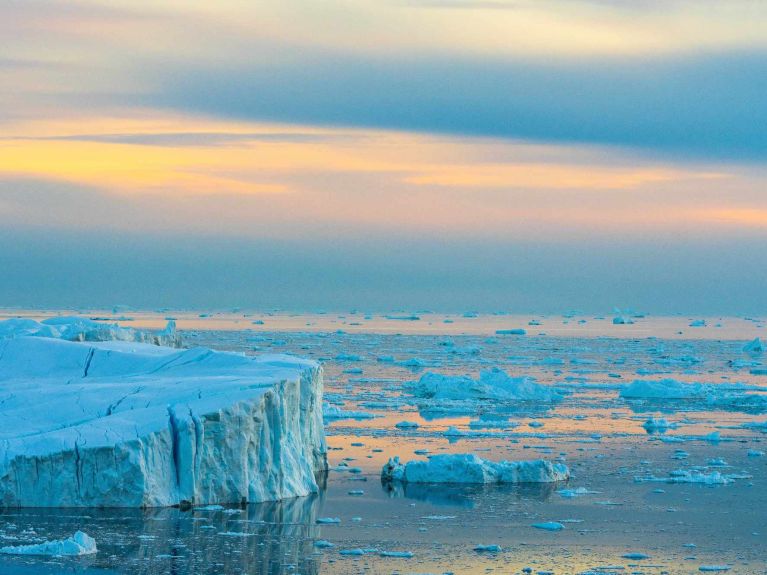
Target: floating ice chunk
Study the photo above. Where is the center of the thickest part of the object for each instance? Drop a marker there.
(79, 544)
(322, 544)
(125, 424)
(400, 554)
(714, 568)
(487, 548)
(572, 493)
(664, 389)
(516, 331)
(653, 425)
(328, 521)
(333, 412)
(407, 425)
(698, 323)
(694, 476)
(493, 384)
(635, 556)
(549, 526)
(754, 346)
(468, 468)
(755, 453)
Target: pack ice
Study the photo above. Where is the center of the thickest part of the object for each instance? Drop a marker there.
(124, 424)
(468, 468)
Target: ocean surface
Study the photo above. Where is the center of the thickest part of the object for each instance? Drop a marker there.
(634, 517)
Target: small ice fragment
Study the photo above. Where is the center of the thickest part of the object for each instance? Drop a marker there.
(328, 520)
(549, 526)
(487, 549)
(402, 554)
(322, 544)
(406, 425)
(635, 556)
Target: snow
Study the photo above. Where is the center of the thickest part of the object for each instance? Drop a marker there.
(468, 468)
(79, 544)
(493, 384)
(124, 424)
(74, 328)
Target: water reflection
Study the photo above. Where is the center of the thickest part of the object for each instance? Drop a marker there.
(267, 538)
(466, 496)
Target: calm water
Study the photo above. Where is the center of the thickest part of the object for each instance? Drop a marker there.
(598, 434)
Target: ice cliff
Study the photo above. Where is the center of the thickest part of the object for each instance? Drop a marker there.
(123, 424)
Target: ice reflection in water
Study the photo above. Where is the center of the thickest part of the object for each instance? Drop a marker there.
(276, 537)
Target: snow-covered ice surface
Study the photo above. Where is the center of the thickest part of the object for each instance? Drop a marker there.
(618, 505)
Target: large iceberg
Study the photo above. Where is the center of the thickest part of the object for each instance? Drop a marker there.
(75, 328)
(468, 468)
(492, 384)
(122, 424)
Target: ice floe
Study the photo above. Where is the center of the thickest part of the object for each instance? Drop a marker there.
(492, 384)
(468, 468)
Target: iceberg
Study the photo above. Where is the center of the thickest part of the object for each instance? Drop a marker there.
(74, 328)
(493, 384)
(468, 468)
(124, 424)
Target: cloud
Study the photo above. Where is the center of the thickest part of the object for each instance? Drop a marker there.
(710, 107)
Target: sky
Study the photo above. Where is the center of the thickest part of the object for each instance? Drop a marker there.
(492, 155)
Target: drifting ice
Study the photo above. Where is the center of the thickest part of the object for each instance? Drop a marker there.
(79, 544)
(493, 384)
(121, 424)
(468, 468)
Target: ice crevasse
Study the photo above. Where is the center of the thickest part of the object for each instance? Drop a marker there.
(126, 424)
